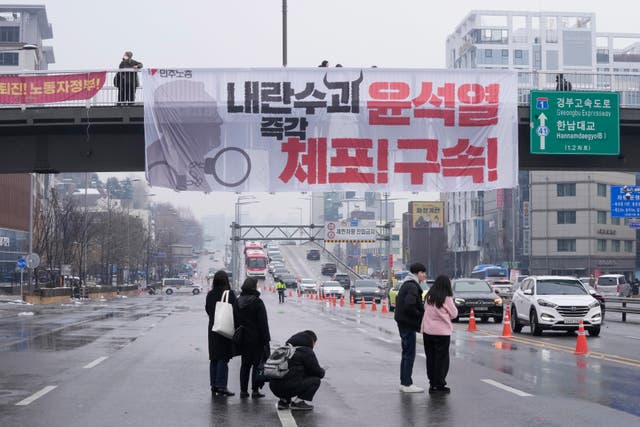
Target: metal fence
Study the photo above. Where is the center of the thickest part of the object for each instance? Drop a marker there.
(627, 85)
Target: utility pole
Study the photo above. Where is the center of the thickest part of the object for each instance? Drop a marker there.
(284, 33)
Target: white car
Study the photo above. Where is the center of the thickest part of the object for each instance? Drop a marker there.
(176, 285)
(306, 285)
(331, 288)
(554, 302)
(610, 284)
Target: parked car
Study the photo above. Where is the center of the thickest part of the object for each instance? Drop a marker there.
(280, 272)
(393, 292)
(554, 302)
(594, 293)
(289, 280)
(313, 254)
(343, 278)
(503, 286)
(477, 294)
(367, 290)
(307, 285)
(331, 288)
(610, 284)
(328, 269)
(176, 285)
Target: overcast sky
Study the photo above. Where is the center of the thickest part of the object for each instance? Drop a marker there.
(92, 34)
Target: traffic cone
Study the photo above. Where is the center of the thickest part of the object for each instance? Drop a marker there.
(290, 293)
(581, 343)
(384, 307)
(363, 305)
(472, 322)
(334, 300)
(299, 294)
(374, 307)
(342, 301)
(351, 303)
(506, 323)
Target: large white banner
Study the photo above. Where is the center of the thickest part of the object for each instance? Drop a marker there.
(324, 129)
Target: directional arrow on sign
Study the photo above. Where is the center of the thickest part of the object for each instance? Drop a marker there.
(542, 130)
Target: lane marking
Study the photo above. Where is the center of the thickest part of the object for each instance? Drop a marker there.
(633, 338)
(95, 363)
(384, 340)
(36, 396)
(286, 417)
(364, 331)
(506, 388)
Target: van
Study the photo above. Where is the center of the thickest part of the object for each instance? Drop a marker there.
(610, 284)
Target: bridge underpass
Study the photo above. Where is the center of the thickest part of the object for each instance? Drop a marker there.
(111, 139)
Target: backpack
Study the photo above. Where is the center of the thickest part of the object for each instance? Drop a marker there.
(277, 365)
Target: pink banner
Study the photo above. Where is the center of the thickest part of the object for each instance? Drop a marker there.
(47, 89)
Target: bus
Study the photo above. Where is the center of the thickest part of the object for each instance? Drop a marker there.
(252, 246)
(490, 272)
(256, 263)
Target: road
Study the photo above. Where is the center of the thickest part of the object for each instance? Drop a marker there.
(143, 361)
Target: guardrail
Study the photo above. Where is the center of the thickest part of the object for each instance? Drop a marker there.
(623, 307)
(627, 84)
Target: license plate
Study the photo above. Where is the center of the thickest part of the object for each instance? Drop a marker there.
(480, 308)
(572, 321)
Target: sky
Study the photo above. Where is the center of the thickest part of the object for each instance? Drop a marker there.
(93, 34)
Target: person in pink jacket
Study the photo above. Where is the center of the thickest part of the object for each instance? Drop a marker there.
(439, 310)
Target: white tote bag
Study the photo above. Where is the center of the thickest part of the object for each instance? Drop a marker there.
(223, 319)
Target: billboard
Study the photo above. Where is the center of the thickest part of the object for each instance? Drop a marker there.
(427, 214)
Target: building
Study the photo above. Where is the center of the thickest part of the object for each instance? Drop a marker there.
(22, 30)
(521, 227)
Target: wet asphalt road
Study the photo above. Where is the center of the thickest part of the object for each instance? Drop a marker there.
(143, 361)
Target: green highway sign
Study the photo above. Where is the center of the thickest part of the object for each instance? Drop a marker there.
(575, 123)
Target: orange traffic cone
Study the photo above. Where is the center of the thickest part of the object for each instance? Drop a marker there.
(351, 303)
(363, 305)
(581, 343)
(374, 307)
(290, 293)
(472, 322)
(342, 301)
(506, 323)
(384, 307)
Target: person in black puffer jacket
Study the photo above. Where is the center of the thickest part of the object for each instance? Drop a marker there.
(303, 379)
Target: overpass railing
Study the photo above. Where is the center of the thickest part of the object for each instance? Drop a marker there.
(626, 84)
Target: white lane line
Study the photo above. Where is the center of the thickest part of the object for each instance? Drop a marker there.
(36, 396)
(633, 338)
(506, 388)
(422, 355)
(384, 340)
(95, 363)
(364, 331)
(286, 418)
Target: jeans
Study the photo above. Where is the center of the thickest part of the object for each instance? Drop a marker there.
(436, 348)
(219, 373)
(408, 338)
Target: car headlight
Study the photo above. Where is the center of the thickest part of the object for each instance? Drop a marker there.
(358, 291)
(594, 304)
(545, 303)
(498, 301)
(459, 301)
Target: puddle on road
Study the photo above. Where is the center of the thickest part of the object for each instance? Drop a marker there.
(61, 340)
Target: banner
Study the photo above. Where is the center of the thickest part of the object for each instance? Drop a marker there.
(330, 129)
(427, 214)
(45, 89)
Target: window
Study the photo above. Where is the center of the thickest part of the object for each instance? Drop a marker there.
(566, 189)
(9, 34)
(615, 246)
(566, 245)
(601, 245)
(488, 53)
(517, 54)
(8, 58)
(615, 220)
(602, 217)
(566, 217)
(602, 190)
(505, 53)
(628, 246)
(627, 221)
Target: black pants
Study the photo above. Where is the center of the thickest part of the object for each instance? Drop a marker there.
(281, 296)
(126, 91)
(436, 348)
(250, 363)
(304, 389)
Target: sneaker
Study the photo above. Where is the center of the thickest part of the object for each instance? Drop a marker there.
(283, 404)
(244, 394)
(301, 405)
(257, 395)
(411, 389)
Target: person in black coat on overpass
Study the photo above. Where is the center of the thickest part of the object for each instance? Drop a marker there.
(250, 314)
(220, 347)
(303, 378)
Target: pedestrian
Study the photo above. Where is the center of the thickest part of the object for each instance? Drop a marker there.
(324, 64)
(303, 379)
(220, 347)
(439, 310)
(408, 315)
(562, 84)
(127, 82)
(281, 288)
(250, 314)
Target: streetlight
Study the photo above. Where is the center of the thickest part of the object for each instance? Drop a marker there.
(242, 200)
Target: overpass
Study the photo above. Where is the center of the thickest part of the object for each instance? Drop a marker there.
(99, 136)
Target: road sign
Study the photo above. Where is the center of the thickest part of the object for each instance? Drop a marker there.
(22, 263)
(622, 207)
(634, 225)
(33, 260)
(574, 123)
(336, 232)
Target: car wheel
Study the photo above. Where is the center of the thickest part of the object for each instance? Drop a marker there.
(497, 319)
(484, 319)
(594, 331)
(196, 291)
(516, 326)
(168, 291)
(533, 322)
